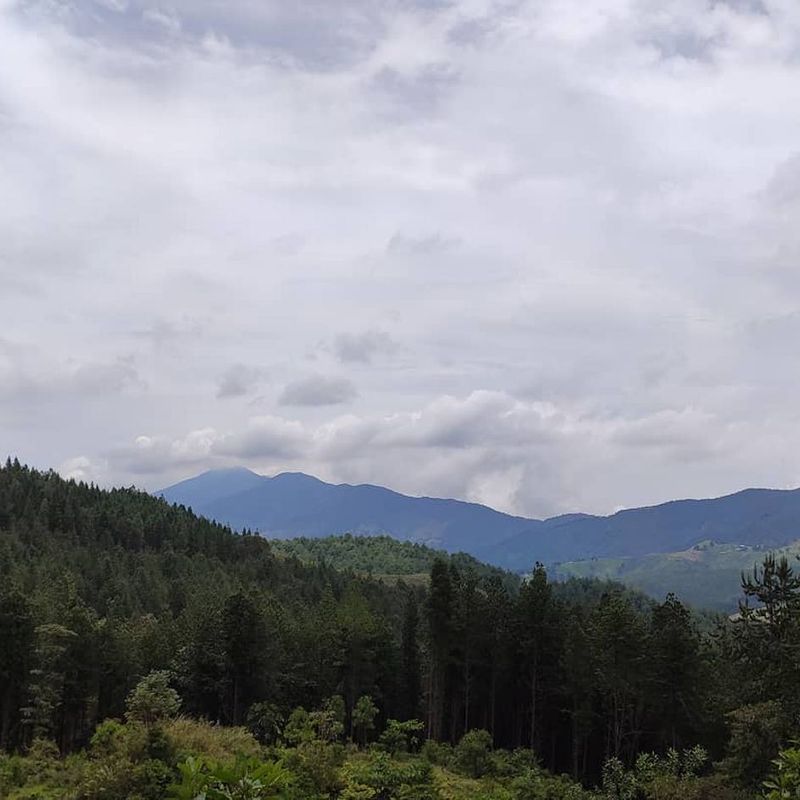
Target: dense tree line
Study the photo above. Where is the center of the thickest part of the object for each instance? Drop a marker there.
(101, 588)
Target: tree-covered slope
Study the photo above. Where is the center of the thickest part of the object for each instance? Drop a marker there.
(706, 575)
(384, 556)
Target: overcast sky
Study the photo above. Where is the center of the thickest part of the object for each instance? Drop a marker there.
(543, 255)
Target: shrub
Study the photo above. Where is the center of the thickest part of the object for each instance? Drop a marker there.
(115, 778)
(153, 699)
(618, 783)
(388, 779)
(110, 738)
(243, 779)
(785, 780)
(299, 727)
(507, 764)
(316, 766)
(266, 722)
(438, 753)
(472, 753)
(190, 737)
(401, 737)
(534, 784)
(364, 714)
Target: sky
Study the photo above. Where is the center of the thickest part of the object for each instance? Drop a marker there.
(539, 254)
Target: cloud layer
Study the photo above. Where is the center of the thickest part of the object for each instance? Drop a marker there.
(538, 254)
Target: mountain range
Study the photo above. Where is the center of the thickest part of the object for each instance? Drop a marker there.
(289, 505)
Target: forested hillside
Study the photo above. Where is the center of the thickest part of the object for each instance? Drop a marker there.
(384, 556)
(116, 605)
(705, 575)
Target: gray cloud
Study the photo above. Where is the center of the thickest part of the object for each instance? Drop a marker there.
(318, 390)
(239, 380)
(28, 376)
(580, 229)
(363, 347)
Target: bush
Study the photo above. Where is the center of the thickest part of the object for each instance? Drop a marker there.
(507, 764)
(618, 783)
(401, 737)
(378, 776)
(266, 722)
(299, 727)
(364, 714)
(115, 778)
(438, 753)
(244, 779)
(153, 699)
(534, 784)
(190, 737)
(785, 780)
(472, 754)
(316, 766)
(110, 739)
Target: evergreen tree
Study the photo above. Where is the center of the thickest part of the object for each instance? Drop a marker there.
(16, 644)
(675, 672)
(619, 650)
(410, 662)
(537, 634)
(245, 643)
(768, 632)
(440, 642)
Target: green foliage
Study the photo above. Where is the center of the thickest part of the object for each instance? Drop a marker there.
(757, 732)
(114, 778)
(377, 775)
(364, 714)
(383, 555)
(674, 776)
(538, 785)
(299, 727)
(153, 699)
(244, 779)
(438, 753)
(402, 737)
(317, 767)
(190, 737)
(473, 753)
(266, 722)
(784, 783)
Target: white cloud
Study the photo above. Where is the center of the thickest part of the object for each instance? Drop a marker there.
(553, 242)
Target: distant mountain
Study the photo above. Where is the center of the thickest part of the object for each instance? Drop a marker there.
(754, 517)
(293, 504)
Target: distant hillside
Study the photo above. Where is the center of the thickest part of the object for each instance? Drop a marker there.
(706, 575)
(384, 556)
(756, 517)
(293, 504)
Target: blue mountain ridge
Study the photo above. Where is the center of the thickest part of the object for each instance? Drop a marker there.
(295, 504)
